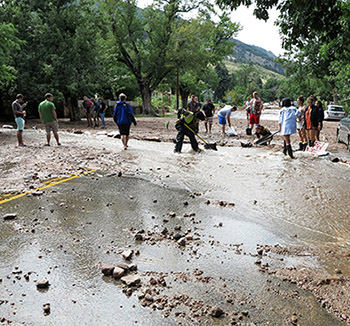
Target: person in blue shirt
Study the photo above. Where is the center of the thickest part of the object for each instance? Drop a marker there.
(288, 124)
(123, 116)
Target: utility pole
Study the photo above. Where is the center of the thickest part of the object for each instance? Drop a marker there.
(177, 89)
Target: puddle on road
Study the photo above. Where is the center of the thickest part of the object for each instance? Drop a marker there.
(64, 234)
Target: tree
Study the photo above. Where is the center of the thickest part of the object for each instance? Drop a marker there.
(224, 81)
(61, 53)
(9, 43)
(155, 41)
(310, 32)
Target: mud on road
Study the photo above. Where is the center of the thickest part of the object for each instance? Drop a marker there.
(239, 236)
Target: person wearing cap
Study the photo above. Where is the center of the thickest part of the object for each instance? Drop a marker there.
(186, 126)
(262, 132)
(224, 114)
(19, 113)
(123, 116)
(48, 116)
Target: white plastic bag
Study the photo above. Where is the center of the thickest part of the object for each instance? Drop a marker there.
(231, 131)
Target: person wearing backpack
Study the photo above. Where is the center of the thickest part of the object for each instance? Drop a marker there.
(123, 116)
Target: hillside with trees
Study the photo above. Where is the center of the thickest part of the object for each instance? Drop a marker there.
(252, 54)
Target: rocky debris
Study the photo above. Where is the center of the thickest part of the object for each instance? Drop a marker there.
(138, 237)
(37, 193)
(10, 216)
(294, 320)
(337, 271)
(260, 251)
(43, 284)
(107, 269)
(131, 280)
(153, 281)
(216, 312)
(172, 214)
(118, 273)
(177, 236)
(149, 297)
(46, 308)
(127, 254)
(223, 203)
(182, 242)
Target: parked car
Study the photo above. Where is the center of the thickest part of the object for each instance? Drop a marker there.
(343, 131)
(334, 112)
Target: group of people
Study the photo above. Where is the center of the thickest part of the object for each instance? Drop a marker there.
(310, 122)
(306, 119)
(47, 113)
(94, 109)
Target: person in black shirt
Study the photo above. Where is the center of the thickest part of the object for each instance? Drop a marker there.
(262, 132)
(19, 114)
(209, 110)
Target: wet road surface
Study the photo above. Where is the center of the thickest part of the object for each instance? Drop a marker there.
(64, 234)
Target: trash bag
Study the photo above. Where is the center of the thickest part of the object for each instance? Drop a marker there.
(248, 131)
(231, 131)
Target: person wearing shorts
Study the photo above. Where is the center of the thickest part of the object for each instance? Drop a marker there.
(48, 116)
(87, 104)
(123, 116)
(19, 113)
(256, 106)
(209, 110)
(223, 114)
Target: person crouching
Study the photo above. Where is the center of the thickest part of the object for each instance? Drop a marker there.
(262, 132)
(186, 126)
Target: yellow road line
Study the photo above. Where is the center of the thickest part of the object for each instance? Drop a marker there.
(49, 183)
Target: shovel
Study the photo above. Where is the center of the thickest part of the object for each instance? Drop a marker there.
(266, 138)
(206, 144)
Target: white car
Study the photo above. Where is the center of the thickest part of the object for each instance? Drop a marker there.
(334, 112)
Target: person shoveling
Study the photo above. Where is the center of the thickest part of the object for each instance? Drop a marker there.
(264, 135)
(186, 125)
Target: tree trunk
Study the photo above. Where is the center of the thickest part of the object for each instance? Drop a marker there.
(72, 105)
(184, 97)
(146, 95)
(334, 92)
(2, 113)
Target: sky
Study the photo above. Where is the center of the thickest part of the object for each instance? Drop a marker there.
(254, 31)
(258, 32)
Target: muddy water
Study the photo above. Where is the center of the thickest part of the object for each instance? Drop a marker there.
(64, 234)
(275, 199)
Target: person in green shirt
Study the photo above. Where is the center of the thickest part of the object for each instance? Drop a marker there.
(48, 116)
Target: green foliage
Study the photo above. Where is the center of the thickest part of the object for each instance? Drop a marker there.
(8, 45)
(61, 53)
(155, 41)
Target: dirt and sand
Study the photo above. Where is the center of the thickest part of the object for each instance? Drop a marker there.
(327, 277)
(38, 160)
